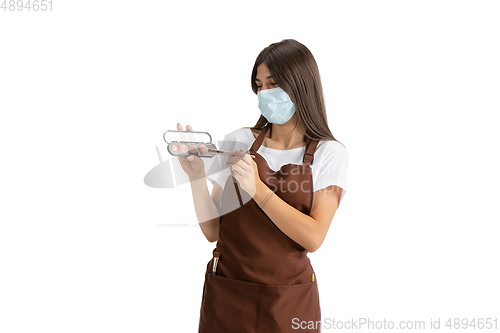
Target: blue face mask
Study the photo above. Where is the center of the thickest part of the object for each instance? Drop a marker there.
(275, 105)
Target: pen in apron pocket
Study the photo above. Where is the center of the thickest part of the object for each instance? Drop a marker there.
(216, 260)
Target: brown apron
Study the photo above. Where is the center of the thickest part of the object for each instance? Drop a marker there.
(264, 279)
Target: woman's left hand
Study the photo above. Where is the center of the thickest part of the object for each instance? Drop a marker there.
(245, 170)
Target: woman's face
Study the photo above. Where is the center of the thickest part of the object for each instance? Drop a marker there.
(263, 78)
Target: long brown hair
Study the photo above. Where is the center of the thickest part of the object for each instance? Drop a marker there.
(293, 68)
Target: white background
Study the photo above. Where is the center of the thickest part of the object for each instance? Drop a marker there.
(87, 90)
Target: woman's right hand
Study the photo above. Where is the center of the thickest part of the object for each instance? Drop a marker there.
(193, 165)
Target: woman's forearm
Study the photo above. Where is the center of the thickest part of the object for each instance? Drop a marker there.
(300, 227)
(207, 213)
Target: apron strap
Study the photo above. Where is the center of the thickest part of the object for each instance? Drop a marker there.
(235, 182)
(260, 138)
(309, 154)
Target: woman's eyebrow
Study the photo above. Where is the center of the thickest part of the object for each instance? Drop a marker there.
(269, 77)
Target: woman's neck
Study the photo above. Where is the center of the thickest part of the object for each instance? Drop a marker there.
(286, 136)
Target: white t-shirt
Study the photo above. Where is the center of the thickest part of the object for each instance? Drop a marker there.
(328, 168)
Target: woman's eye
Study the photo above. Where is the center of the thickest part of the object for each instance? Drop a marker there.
(272, 83)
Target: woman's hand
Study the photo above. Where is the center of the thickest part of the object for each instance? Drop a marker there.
(193, 165)
(245, 170)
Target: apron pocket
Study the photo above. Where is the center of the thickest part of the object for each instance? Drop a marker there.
(228, 305)
(284, 307)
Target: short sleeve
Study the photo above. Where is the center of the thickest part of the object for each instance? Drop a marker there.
(331, 167)
(218, 171)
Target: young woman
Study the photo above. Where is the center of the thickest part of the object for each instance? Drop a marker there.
(271, 206)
